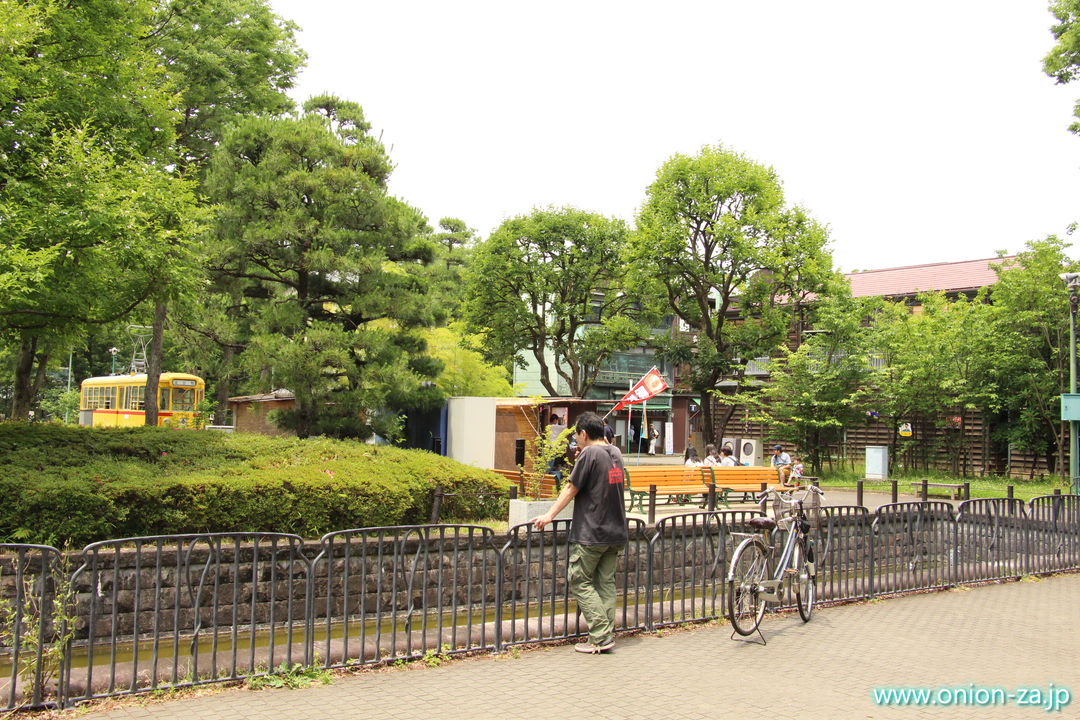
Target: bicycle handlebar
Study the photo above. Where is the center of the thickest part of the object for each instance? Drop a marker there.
(779, 493)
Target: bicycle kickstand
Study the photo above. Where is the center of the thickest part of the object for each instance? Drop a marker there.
(749, 638)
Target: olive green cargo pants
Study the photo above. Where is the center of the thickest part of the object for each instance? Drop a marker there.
(592, 582)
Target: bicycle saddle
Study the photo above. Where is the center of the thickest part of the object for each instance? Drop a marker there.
(762, 523)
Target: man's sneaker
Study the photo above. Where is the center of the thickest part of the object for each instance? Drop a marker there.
(591, 649)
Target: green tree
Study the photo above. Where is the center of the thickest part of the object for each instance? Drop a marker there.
(464, 371)
(141, 90)
(225, 59)
(716, 242)
(1032, 329)
(551, 283)
(326, 266)
(453, 251)
(935, 361)
(1063, 61)
(84, 187)
(815, 391)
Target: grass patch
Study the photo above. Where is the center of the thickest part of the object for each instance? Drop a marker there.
(295, 676)
(985, 487)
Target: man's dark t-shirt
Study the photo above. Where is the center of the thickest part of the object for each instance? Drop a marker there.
(599, 515)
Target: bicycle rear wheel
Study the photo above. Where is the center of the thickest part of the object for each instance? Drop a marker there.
(745, 605)
(806, 578)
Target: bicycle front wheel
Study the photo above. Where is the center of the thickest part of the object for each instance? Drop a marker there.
(745, 604)
(806, 579)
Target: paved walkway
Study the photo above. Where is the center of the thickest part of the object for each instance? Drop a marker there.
(1010, 635)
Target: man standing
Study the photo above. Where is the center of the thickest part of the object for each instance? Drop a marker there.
(781, 461)
(598, 531)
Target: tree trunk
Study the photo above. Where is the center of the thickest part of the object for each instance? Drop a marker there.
(722, 423)
(28, 382)
(222, 396)
(545, 373)
(706, 418)
(153, 364)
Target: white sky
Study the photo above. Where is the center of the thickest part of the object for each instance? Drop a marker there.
(919, 132)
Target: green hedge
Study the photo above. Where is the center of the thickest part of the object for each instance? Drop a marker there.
(70, 486)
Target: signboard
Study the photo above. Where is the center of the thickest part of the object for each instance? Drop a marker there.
(1070, 407)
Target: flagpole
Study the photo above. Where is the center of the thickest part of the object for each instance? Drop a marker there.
(645, 425)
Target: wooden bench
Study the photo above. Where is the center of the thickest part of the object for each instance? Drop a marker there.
(676, 483)
(745, 479)
(956, 490)
(547, 488)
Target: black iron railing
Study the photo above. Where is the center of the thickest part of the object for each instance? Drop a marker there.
(140, 614)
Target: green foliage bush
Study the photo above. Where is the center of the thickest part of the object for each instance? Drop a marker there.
(71, 486)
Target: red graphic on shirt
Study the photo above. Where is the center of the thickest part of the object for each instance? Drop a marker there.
(615, 476)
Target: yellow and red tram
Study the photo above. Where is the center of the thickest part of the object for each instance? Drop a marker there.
(117, 400)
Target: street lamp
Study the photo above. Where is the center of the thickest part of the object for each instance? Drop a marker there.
(112, 351)
(1069, 408)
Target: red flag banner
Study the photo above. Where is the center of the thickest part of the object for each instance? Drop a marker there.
(653, 383)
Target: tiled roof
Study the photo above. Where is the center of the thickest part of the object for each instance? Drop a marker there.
(950, 277)
(281, 394)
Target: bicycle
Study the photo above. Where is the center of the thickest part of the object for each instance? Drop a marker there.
(749, 591)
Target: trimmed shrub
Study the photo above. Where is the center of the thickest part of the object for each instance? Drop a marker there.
(71, 486)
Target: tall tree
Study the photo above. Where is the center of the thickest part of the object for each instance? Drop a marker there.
(225, 59)
(327, 266)
(1063, 61)
(1032, 326)
(815, 391)
(88, 205)
(731, 261)
(453, 252)
(551, 284)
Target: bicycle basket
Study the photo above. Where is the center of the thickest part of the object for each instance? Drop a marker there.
(812, 509)
(781, 509)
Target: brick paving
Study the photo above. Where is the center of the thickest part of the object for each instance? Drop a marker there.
(1010, 635)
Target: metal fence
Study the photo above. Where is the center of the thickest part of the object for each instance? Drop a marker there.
(140, 614)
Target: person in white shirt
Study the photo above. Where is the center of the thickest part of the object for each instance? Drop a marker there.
(725, 458)
(690, 457)
(711, 456)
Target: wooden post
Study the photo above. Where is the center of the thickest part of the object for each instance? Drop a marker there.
(652, 505)
(1057, 491)
(895, 491)
(859, 492)
(924, 490)
(1010, 491)
(513, 492)
(711, 504)
(436, 505)
(967, 491)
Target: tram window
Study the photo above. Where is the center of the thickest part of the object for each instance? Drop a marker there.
(100, 398)
(163, 399)
(183, 399)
